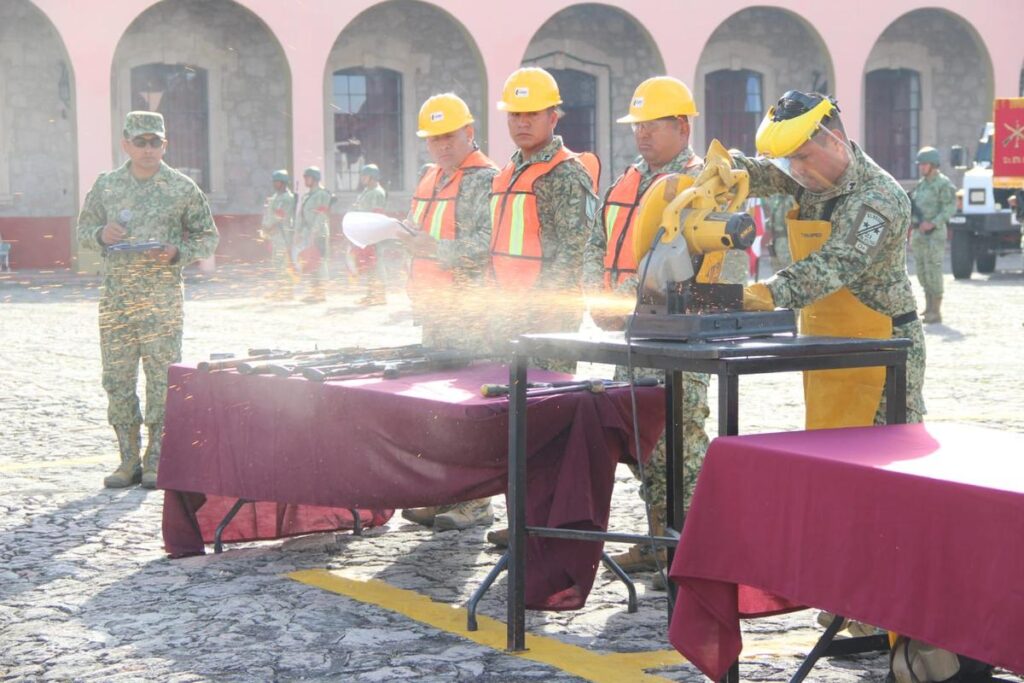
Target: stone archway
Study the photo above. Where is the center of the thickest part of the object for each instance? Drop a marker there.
(418, 48)
(602, 53)
(37, 139)
(776, 45)
(955, 85)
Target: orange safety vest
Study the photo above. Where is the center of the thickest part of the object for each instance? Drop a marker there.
(433, 210)
(516, 251)
(620, 204)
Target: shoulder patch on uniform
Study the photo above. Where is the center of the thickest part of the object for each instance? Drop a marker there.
(869, 228)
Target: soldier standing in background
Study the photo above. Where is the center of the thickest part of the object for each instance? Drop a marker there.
(373, 198)
(544, 208)
(451, 255)
(143, 202)
(278, 226)
(777, 208)
(934, 200)
(659, 113)
(313, 233)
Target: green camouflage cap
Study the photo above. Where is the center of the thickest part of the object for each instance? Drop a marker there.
(143, 123)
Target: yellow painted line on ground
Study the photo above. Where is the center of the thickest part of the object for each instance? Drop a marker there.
(39, 464)
(593, 666)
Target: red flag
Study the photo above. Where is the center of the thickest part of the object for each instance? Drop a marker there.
(1008, 143)
(755, 207)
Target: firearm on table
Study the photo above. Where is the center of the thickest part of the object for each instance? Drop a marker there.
(595, 386)
(261, 357)
(389, 369)
(290, 366)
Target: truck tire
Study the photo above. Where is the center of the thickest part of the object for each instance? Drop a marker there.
(961, 254)
(985, 263)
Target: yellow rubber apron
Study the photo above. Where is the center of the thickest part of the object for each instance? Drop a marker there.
(837, 398)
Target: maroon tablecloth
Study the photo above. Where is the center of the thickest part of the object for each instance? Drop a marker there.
(313, 449)
(915, 528)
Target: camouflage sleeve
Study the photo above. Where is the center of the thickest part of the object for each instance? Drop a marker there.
(472, 250)
(320, 205)
(765, 179)
(946, 202)
(568, 210)
(594, 252)
(867, 232)
(375, 200)
(199, 232)
(92, 218)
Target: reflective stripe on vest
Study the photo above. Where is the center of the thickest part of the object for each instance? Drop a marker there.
(619, 208)
(516, 249)
(433, 210)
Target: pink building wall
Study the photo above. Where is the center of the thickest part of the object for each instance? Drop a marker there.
(503, 31)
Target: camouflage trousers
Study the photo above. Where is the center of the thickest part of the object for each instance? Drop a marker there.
(915, 373)
(928, 252)
(128, 334)
(280, 260)
(695, 442)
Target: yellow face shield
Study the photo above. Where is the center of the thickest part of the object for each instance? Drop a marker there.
(793, 138)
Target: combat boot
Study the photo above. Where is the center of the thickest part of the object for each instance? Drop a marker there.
(934, 316)
(129, 472)
(465, 515)
(151, 459)
(425, 516)
(641, 557)
(927, 306)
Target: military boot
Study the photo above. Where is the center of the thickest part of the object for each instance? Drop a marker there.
(934, 316)
(641, 557)
(425, 516)
(465, 515)
(151, 459)
(927, 306)
(129, 472)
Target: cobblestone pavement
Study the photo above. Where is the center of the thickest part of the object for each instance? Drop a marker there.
(87, 594)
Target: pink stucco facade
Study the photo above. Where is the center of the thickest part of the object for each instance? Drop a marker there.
(502, 32)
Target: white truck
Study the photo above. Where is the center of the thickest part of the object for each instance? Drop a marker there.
(988, 224)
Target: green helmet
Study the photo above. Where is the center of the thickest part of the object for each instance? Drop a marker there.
(280, 176)
(371, 170)
(313, 172)
(929, 155)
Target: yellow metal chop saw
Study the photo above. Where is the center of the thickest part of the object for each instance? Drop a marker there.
(681, 235)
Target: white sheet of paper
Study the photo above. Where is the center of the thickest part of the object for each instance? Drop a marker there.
(364, 228)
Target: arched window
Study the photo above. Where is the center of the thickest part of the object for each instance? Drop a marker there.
(733, 107)
(179, 92)
(367, 126)
(578, 127)
(892, 103)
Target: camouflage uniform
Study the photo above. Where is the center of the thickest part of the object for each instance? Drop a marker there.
(567, 210)
(141, 309)
(695, 385)
(314, 229)
(278, 223)
(935, 198)
(468, 257)
(371, 199)
(871, 264)
(776, 208)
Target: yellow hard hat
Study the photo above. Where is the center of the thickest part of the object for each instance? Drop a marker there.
(529, 89)
(792, 121)
(442, 114)
(659, 97)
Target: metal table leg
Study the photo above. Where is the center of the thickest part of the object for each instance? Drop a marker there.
(479, 593)
(218, 547)
(517, 504)
(819, 649)
(631, 605)
(357, 522)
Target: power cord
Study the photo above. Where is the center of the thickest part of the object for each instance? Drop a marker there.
(636, 421)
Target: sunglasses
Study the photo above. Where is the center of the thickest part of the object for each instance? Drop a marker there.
(153, 142)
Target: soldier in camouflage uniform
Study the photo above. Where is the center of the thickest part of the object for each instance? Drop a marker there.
(141, 310)
(451, 255)
(659, 114)
(834, 181)
(373, 198)
(934, 198)
(278, 227)
(777, 207)
(543, 207)
(313, 233)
